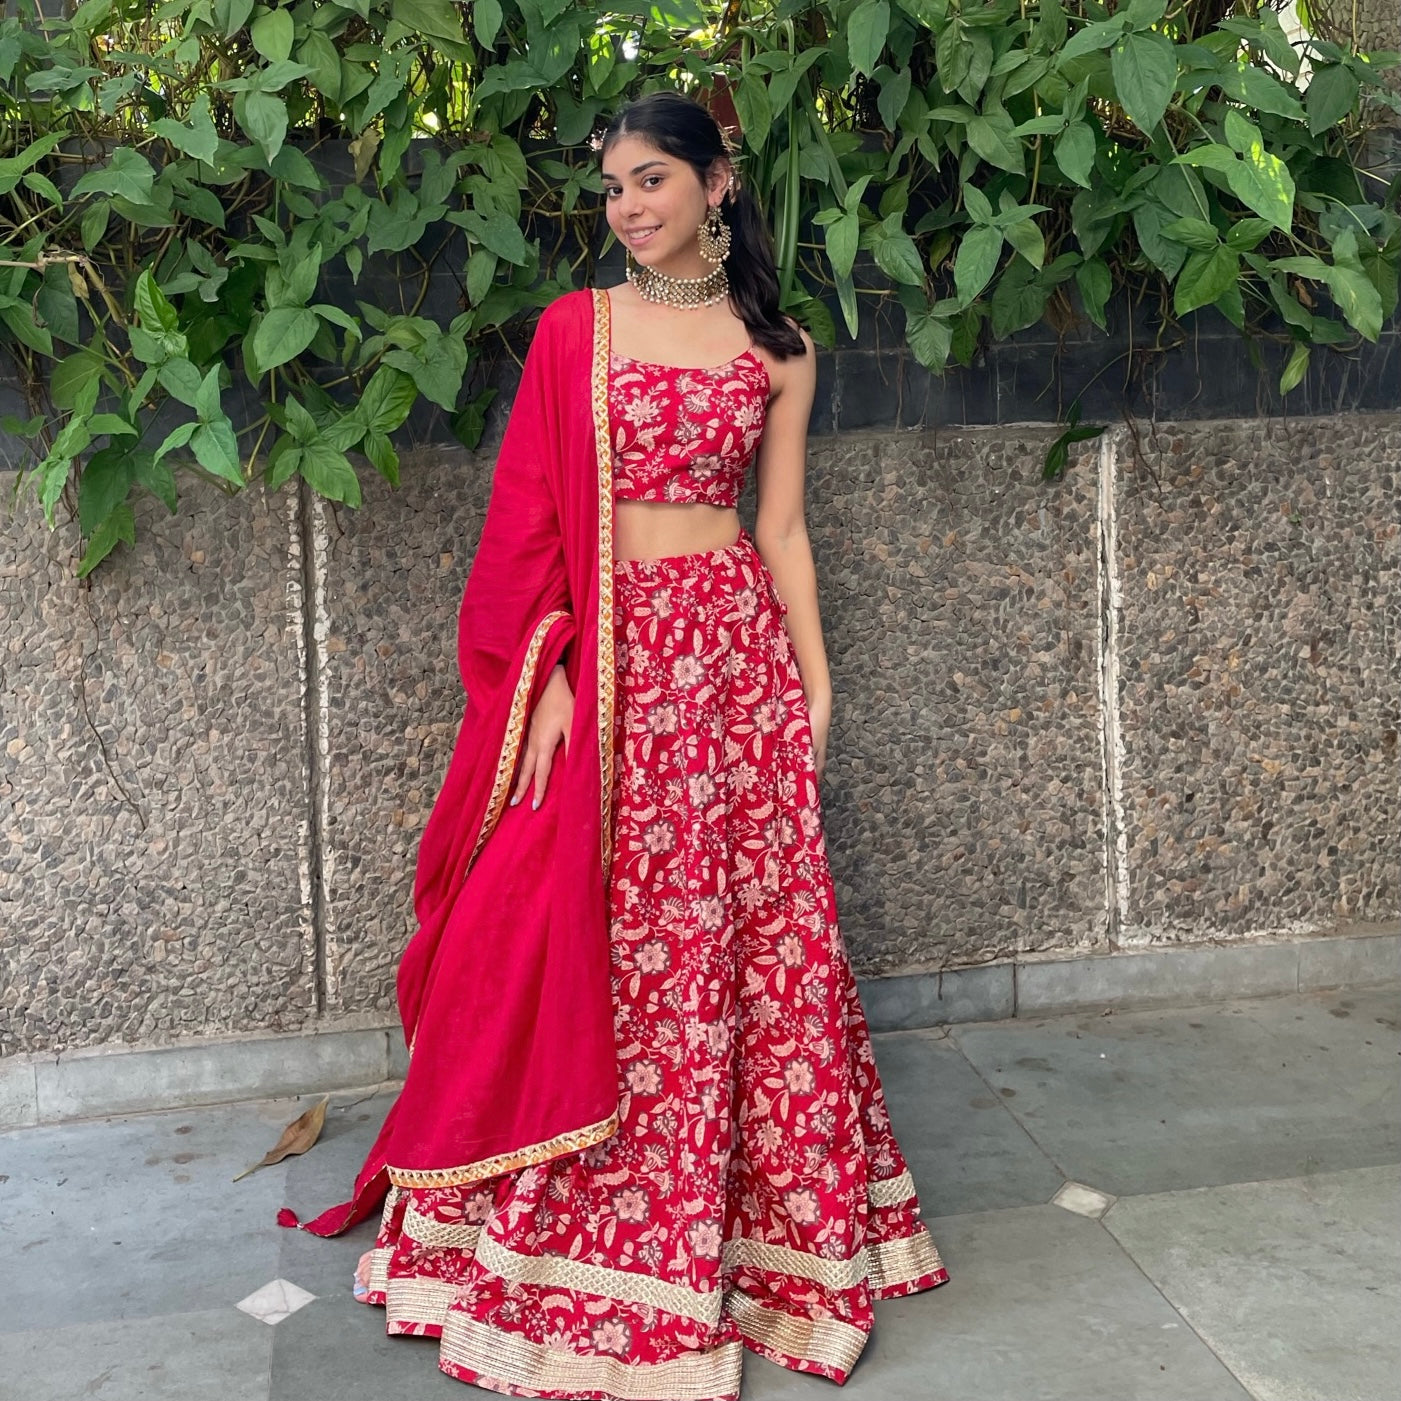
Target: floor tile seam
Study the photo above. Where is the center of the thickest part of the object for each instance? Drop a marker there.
(214, 1311)
(1011, 1113)
(1388, 1165)
(1103, 1223)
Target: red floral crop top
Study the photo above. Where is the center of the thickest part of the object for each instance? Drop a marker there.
(684, 434)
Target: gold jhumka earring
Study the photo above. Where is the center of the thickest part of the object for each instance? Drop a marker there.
(713, 237)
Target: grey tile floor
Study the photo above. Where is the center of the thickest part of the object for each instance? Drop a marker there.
(1248, 1152)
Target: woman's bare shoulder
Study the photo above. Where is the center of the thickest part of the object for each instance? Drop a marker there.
(798, 370)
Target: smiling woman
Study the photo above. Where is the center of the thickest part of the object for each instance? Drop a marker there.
(642, 1127)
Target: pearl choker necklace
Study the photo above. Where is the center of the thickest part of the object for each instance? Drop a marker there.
(681, 292)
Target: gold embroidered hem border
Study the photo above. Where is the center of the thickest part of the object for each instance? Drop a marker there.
(417, 1303)
(897, 1262)
(572, 1142)
(882, 1265)
(827, 1342)
(891, 1191)
(440, 1235)
(626, 1286)
(379, 1269)
(503, 1361)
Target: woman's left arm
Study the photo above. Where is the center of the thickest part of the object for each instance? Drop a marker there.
(780, 531)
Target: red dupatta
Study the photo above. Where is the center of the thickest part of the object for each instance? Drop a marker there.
(504, 991)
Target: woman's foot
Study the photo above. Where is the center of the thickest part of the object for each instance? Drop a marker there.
(362, 1278)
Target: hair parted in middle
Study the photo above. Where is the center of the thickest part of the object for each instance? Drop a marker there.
(678, 126)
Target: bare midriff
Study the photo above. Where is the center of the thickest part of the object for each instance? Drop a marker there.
(659, 529)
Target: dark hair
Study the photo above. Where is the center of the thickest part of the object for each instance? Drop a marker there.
(679, 126)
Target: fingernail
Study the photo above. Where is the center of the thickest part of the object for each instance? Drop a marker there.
(515, 800)
(535, 806)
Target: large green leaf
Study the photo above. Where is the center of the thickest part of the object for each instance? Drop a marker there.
(198, 138)
(929, 337)
(271, 34)
(992, 136)
(486, 21)
(75, 380)
(387, 399)
(1027, 239)
(976, 261)
(13, 167)
(897, 256)
(1075, 152)
(435, 18)
(329, 472)
(754, 109)
(866, 30)
(382, 457)
(1259, 179)
(437, 367)
(282, 335)
(118, 527)
(216, 449)
(1357, 297)
(1295, 370)
(127, 173)
(1144, 68)
(842, 236)
(1018, 300)
(319, 54)
(264, 118)
(104, 484)
(1092, 38)
(1256, 88)
(153, 307)
(1095, 284)
(1331, 95)
(1206, 277)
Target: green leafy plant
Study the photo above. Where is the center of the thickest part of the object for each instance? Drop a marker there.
(212, 204)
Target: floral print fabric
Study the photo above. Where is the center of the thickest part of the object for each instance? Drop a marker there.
(685, 435)
(754, 1195)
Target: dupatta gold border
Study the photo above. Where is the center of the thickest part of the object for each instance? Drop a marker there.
(515, 733)
(467, 1173)
(607, 678)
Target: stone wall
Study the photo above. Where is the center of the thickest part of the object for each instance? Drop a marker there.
(1153, 702)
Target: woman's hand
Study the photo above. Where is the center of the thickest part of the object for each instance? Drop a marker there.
(820, 718)
(549, 725)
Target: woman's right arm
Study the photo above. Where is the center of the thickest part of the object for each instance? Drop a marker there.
(549, 727)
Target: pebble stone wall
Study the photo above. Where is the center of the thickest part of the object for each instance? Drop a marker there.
(1258, 677)
(1152, 702)
(154, 818)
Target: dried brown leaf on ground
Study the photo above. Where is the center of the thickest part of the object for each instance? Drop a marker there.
(296, 1138)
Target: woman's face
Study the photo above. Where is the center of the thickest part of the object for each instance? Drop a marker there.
(656, 203)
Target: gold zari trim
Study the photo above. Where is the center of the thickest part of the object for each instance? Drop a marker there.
(379, 1269)
(515, 732)
(626, 1286)
(439, 1235)
(506, 1162)
(418, 1302)
(896, 1262)
(502, 1358)
(891, 1191)
(607, 679)
(827, 1341)
(784, 1260)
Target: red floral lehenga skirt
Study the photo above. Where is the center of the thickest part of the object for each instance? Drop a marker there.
(754, 1195)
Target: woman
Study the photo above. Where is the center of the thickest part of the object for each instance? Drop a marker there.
(642, 1127)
